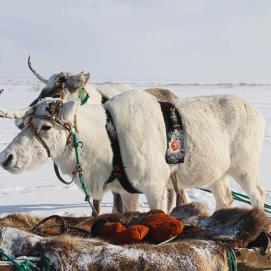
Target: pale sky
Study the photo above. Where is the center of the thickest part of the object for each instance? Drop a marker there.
(138, 40)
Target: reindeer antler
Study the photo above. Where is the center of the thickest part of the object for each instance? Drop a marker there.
(14, 114)
(34, 71)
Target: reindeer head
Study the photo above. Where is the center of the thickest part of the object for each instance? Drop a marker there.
(44, 122)
(61, 85)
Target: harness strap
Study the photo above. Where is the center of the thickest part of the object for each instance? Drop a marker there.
(56, 225)
(76, 144)
(36, 134)
(59, 176)
(232, 261)
(81, 96)
(85, 99)
(42, 142)
(25, 266)
(118, 171)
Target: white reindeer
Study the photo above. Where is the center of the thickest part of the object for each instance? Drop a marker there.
(66, 85)
(224, 136)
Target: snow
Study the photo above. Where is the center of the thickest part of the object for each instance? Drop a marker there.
(40, 192)
(14, 241)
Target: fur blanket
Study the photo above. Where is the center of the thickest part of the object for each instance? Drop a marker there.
(202, 246)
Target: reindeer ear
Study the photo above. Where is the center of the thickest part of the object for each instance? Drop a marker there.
(68, 110)
(60, 80)
(86, 76)
(74, 82)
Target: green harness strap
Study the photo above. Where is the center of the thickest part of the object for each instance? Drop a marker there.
(232, 261)
(25, 266)
(242, 198)
(84, 98)
(78, 169)
(76, 144)
(81, 96)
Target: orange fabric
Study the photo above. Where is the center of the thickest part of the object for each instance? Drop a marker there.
(111, 229)
(155, 228)
(119, 234)
(133, 234)
(162, 227)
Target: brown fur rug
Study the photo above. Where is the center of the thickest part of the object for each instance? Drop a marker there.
(202, 246)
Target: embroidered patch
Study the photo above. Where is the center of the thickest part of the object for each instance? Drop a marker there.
(175, 150)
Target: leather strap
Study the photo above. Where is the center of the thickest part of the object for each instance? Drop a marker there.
(42, 142)
(118, 171)
(59, 176)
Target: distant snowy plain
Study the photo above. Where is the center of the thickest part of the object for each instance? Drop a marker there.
(39, 191)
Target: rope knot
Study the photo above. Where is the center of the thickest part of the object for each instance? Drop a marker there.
(77, 169)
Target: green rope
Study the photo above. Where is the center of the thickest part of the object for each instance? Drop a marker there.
(232, 261)
(21, 267)
(76, 144)
(78, 169)
(85, 99)
(85, 187)
(266, 206)
(242, 198)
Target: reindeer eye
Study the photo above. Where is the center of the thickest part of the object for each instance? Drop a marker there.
(46, 127)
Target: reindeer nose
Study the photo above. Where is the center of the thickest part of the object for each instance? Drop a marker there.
(7, 161)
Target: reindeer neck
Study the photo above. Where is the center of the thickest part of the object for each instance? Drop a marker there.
(96, 154)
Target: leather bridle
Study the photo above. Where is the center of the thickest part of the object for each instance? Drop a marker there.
(66, 125)
(53, 119)
(69, 127)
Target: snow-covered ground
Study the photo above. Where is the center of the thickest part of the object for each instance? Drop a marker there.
(40, 192)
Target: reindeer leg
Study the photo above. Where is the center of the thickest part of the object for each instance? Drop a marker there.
(129, 202)
(182, 197)
(170, 200)
(96, 205)
(181, 194)
(117, 203)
